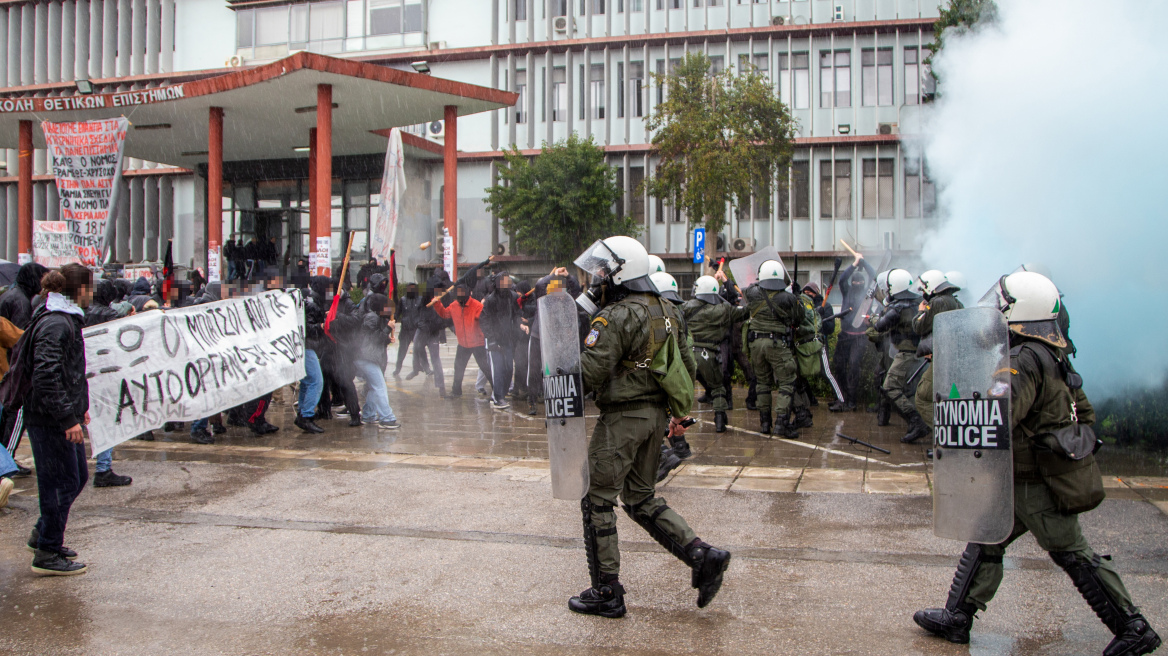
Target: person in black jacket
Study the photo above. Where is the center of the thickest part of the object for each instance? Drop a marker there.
(312, 384)
(430, 333)
(16, 303)
(853, 341)
(374, 335)
(408, 313)
(99, 312)
(525, 297)
(335, 351)
(55, 410)
(500, 324)
(733, 350)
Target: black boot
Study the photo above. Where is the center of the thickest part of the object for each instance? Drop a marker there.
(803, 418)
(953, 625)
(201, 436)
(719, 422)
(954, 620)
(709, 563)
(218, 429)
(606, 601)
(1136, 638)
(784, 428)
(680, 446)
(54, 564)
(705, 398)
(751, 404)
(671, 459)
(840, 406)
(883, 412)
(764, 422)
(109, 479)
(35, 536)
(916, 428)
(307, 425)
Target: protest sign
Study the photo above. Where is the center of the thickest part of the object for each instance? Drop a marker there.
(393, 184)
(181, 365)
(87, 163)
(52, 245)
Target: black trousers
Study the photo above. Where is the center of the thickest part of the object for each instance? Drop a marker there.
(502, 360)
(520, 385)
(462, 357)
(404, 338)
(532, 371)
(849, 357)
(61, 474)
(732, 352)
(338, 377)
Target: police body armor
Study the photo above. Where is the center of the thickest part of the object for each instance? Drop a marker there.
(563, 387)
(973, 464)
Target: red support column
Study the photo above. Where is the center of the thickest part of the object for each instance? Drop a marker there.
(450, 181)
(322, 226)
(24, 194)
(214, 193)
(313, 207)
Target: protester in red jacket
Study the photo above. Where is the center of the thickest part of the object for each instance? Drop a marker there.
(464, 312)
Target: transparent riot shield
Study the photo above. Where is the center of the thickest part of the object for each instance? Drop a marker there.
(745, 269)
(973, 465)
(563, 393)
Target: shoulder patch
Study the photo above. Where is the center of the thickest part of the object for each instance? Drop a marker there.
(592, 337)
(600, 320)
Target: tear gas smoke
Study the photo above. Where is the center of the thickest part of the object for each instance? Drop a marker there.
(1049, 145)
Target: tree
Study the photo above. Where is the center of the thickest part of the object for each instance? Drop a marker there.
(558, 202)
(719, 137)
(959, 17)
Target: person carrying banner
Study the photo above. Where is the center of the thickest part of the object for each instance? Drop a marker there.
(99, 312)
(56, 408)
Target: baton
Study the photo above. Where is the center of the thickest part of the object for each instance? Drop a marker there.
(863, 443)
(850, 249)
(918, 372)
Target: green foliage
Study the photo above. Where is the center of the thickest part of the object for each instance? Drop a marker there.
(1135, 419)
(558, 202)
(719, 137)
(959, 17)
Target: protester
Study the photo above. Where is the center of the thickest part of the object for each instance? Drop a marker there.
(9, 334)
(312, 384)
(431, 332)
(525, 299)
(16, 303)
(374, 336)
(500, 326)
(407, 313)
(465, 312)
(55, 410)
(335, 358)
(100, 310)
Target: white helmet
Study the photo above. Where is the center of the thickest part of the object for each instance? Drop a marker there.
(706, 289)
(772, 275)
(933, 282)
(1031, 304)
(666, 286)
(900, 285)
(956, 278)
(656, 265)
(881, 286)
(1036, 267)
(623, 260)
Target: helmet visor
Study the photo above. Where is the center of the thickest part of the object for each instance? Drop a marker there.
(599, 261)
(997, 297)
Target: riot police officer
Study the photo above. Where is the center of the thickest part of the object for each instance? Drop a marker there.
(1046, 400)
(774, 314)
(710, 318)
(630, 328)
(897, 318)
(940, 295)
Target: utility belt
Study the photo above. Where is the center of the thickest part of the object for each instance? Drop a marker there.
(707, 345)
(782, 338)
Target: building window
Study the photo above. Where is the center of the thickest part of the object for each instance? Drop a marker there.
(620, 89)
(636, 89)
(835, 78)
(912, 76)
(876, 77)
(835, 191)
(760, 201)
(559, 8)
(717, 64)
(596, 90)
(878, 188)
(328, 27)
(520, 9)
(559, 94)
(920, 196)
(795, 80)
(660, 81)
(521, 89)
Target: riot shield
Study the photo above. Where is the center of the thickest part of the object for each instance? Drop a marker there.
(563, 393)
(973, 465)
(866, 306)
(745, 269)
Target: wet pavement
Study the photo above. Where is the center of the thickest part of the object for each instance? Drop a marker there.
(442, 537)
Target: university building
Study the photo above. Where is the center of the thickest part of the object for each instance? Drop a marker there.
(851, 71)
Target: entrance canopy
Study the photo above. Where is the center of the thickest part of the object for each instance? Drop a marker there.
(267, 110)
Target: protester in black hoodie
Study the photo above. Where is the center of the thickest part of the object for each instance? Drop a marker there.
(16, 303)
(334, 353)
(408, 313)
(500, 326)
(55, 409)
(99, 312)
(140, 294)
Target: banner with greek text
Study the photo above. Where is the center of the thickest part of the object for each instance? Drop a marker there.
(52, 244)
(87, 163)
(181, 365)
(393, 184)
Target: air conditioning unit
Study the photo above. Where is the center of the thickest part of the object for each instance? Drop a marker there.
(844, 128)
(838, 15)
(888, 128)
(437, 45)
(438, 226)
(560, 24)
(779, 20)
(503, 248)
(740, 244)
(889, 241)
(436, 130)
(233, 61)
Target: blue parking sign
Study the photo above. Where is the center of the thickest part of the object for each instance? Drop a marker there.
(699, 245)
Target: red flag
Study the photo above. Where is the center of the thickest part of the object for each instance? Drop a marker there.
(392, 273)
(332, 314)
(167, 273)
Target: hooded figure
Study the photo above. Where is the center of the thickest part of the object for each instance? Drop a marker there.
(211, 293)
(16, 304)
(105, 293)
(300, 275)
(140, 294)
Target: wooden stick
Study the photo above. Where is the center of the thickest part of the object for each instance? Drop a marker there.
(850, 249)
(345, 266)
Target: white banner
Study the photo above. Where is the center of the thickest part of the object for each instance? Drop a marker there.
(383, 233)
(87, 163)
(448, 253)
(52, 245)
(181, 365)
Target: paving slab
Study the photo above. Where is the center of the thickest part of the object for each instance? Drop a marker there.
(832, 480)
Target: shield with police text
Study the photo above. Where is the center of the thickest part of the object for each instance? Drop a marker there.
(563, 394)
(745, 269)
(973, 464)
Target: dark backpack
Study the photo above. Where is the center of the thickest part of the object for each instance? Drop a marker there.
(17, 383)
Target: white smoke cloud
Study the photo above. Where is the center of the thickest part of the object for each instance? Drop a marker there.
(1050, 143)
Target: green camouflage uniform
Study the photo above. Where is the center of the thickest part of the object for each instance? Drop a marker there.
(709, 325)
(626, 443)
(905, 362)
(770, 343)
(923, 325)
